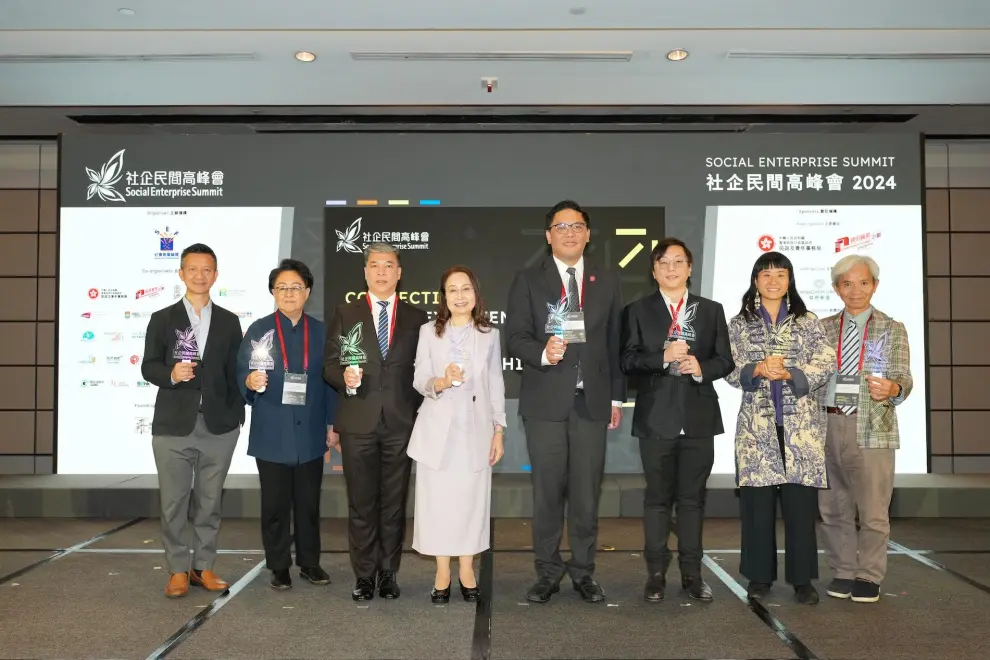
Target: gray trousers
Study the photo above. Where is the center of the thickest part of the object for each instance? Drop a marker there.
(860, 480)
(195, 465)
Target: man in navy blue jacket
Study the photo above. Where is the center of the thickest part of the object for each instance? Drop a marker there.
(280, 373)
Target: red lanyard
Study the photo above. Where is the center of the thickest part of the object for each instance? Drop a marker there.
(281, 341)
(563, 294)
(862, 347)
(674, 313)
(395, 312)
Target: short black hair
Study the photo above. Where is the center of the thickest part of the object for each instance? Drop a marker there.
(291, 265)
(567, 205)
(665, 245)
(198, 248)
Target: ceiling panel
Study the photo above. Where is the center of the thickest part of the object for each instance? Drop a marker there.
(476, 15)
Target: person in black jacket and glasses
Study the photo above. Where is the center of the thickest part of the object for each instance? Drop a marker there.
(280, 374)
(190, 354)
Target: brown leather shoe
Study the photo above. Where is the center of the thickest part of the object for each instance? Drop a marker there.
(178, 585)
(208, 580)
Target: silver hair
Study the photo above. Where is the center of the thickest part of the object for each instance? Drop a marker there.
(845, 264)
(381, 248)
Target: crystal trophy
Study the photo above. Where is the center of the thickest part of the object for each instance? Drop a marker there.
(876, 357)
(351, 353)
(781, 338)
(261, 355)
(185, 349)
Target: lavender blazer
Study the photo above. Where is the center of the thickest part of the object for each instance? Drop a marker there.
(429, 436)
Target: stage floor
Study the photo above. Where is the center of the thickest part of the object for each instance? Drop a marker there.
(92, 588)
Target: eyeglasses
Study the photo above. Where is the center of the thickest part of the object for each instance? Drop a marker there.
(286, 290)
(563, 227)
(451, 291)
(677, 264)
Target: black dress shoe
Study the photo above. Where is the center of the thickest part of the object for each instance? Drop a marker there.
(655, 588)
(806, 594)
(589, 590)
(697, 589)
(314, 574)
(542, 590)
(758, 590)
(364, 589)
(440, 596)
(472, 594)
(281, 580)
(387, 585)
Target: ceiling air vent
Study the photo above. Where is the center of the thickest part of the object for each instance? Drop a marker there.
(494, 56)
(809, 55)
(143, 57)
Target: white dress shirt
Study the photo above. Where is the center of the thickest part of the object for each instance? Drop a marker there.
(565, 279)
(671, 306)
(375, 311)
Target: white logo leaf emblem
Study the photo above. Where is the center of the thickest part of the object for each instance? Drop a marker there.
(347, 239)
(103, 182)
(262, 348)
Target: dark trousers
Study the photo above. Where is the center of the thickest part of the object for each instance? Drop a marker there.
(290, 494)
(758, 509)
(676, 472)
(376, 471)
(568, 460)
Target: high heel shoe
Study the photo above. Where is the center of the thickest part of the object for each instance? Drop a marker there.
(472, 595)
(440, 596)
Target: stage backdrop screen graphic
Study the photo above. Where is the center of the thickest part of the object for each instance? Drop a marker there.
(494, 243)
(130, 204)
(105, 302)
(814, 239)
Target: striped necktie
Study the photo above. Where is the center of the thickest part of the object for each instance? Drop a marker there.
(574, 305)
(383, 327)
(850, 356)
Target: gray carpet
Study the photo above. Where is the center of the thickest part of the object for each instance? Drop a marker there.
(625, 626)
(54, 533)
(323, 622)
(922, 614)
(11, 562)
(104, 606)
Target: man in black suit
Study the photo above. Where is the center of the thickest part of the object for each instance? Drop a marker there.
(572, 391)
(377, 333)
(676, 345)
(190, 354)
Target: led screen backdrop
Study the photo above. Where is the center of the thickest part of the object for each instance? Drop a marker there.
(480, 199)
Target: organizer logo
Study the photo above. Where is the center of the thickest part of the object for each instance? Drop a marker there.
(347, 239)
(102, 183)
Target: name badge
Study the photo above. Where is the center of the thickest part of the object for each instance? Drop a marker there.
(294, 390)
(846, 390)
(572, 327)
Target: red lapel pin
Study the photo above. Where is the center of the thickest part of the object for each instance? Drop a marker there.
(592, 278)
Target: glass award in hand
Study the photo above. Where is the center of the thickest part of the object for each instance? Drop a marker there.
(186, 349)
(876, 356)
(781, 339)
(352, 356)
(261, 355)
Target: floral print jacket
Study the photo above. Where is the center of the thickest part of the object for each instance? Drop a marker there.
(811, 362)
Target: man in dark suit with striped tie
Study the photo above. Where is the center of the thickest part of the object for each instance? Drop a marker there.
(375, 417)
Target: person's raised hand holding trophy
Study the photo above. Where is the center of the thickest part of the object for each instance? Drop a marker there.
(877, 359)
(352, 356)
(186, 354)
(261, 362)
(778, 348)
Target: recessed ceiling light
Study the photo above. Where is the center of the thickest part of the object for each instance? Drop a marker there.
(305, 56)
(577, 11)
(124, 11)
(677, 55)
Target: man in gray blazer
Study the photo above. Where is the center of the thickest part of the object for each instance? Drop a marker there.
(571, 393)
